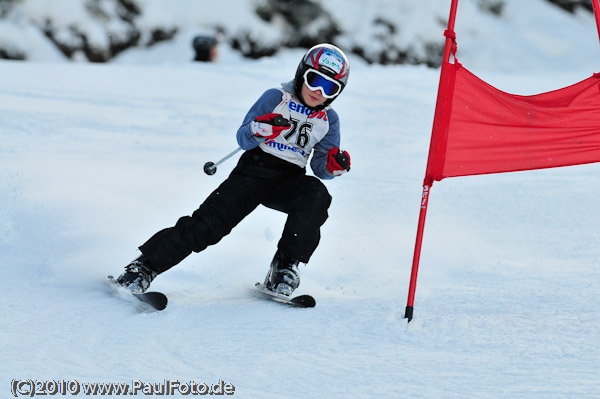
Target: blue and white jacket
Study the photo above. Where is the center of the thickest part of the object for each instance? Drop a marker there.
(311, 130)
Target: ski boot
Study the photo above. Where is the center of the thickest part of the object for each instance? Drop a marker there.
(283, 277)
(137, 275)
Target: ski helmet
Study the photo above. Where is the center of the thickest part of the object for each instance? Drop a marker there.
(323, 67)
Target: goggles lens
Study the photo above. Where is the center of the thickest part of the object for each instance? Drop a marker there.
(316, 80)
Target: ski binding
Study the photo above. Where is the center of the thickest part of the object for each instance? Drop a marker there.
(299, 301)
(156, 300)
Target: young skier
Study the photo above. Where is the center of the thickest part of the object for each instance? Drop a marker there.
(278, 134)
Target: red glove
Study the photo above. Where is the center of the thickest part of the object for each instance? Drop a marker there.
(338, 161)
(269, 126)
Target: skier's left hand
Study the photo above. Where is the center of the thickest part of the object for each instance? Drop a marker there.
(338, 161)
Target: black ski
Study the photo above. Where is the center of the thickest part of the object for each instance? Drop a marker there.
(156, 300)
(299, 301)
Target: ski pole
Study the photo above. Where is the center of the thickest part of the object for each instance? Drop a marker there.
(210, 168)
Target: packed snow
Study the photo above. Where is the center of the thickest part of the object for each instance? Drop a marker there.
(94, 159)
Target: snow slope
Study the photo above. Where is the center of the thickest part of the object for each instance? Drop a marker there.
(96, 158)
(535, 33)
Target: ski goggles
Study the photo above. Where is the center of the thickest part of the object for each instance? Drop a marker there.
(316, 80)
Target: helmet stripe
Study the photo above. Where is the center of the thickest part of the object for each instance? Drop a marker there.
(314, 60)
(342, 73)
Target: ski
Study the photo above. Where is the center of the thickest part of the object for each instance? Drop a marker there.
(299, 301)
(156, 300)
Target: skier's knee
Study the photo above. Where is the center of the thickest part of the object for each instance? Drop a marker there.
(318, 194)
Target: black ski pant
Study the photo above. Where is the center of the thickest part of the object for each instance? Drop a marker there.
(259, 178)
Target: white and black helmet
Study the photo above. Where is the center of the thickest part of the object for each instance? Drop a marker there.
(323, 67)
